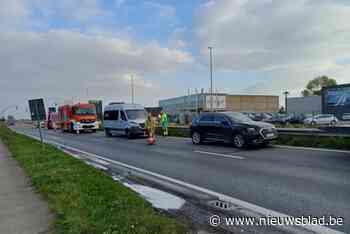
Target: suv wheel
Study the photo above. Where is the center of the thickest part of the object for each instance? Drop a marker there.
(107, 133)
(238, 141)
(196, 138)
(128, 134)
(333, 122)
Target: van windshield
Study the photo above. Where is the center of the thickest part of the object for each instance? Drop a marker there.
(136, 114)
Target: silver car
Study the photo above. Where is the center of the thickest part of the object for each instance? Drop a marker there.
(322, 119)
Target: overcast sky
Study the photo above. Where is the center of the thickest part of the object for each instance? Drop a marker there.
(88, 49)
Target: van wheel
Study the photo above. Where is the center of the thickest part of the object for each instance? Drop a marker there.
(196, 138)
(108, 133)
(238, 141)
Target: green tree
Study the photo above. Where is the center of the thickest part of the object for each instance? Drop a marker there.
(314, 87)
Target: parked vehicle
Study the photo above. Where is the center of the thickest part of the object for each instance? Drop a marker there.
(296, 118)
(279, 119)
(322, 119)
(126, 119)
(77, 118)
(10, 120)
(258, 116)
(346, 116)
(232, 127)
(52, 118)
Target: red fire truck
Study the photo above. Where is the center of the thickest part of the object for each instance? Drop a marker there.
(77, 118)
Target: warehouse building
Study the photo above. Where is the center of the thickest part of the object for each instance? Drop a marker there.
(336, 100)
(221, 102)
(304, 105)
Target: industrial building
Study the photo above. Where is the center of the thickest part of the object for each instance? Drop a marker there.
(336, 100)
(221, 102)
(304, 105)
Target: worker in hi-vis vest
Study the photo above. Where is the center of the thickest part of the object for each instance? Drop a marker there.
(164, 121)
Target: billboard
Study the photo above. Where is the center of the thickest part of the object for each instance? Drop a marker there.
(219, 102)
(336, 100)
(37, 109)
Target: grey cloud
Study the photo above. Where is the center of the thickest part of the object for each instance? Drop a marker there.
(290, 40)
(58, 64)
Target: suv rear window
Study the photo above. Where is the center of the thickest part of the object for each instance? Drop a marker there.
(219, 118)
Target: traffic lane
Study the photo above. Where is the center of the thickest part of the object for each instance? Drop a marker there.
(331, 170)
(292, 188)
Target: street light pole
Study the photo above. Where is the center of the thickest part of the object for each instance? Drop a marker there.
(211, 77)
(286, 93)
(132, 90)
(196, 90)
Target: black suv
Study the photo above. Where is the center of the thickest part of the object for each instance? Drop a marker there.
(233, 127)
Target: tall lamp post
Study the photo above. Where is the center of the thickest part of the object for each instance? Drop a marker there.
(132, 90)
(286, 93)
(211, 77)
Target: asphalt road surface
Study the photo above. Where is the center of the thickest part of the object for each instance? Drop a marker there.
(292, 181)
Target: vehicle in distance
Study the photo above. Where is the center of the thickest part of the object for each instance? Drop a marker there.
(279, 119)
(124, 119)
(346, 116)
(52, 118)
(232, 127)
(327, 119)
(10, 120)
(77, 118)
(258, 116)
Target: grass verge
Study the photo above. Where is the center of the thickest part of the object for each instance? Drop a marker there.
(83, 199)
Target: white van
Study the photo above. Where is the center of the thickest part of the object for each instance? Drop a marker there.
(125, 119)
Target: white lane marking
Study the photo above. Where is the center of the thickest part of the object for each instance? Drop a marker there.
(246, 205)
(97, 166)
(218, 154)
(311, 148)
(101, 161)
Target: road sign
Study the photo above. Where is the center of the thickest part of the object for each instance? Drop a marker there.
(37, 113)
(37, 109)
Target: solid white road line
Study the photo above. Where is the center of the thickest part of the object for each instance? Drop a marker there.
(312, 149)
(219, 154)
(246, 205)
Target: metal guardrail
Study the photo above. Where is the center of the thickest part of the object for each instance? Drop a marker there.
(325, 131)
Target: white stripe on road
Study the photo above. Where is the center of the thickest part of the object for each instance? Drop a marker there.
(218, 154)
(101, 161)
(243, 204)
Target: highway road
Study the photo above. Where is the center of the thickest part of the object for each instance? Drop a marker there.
(296, 182)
